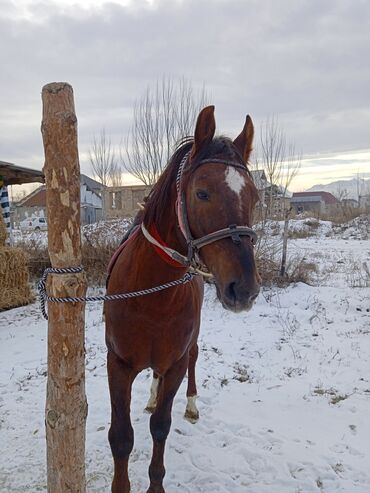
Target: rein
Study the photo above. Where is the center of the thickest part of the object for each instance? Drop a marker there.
(232, 231)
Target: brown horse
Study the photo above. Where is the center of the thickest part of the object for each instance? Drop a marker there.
(198, 214)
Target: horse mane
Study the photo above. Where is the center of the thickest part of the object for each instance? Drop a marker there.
(157, 204)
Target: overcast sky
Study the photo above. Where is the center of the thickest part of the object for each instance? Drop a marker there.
(306, 61)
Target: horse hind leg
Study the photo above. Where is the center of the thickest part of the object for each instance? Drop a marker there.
(160, 422)
(191, 411)
(152, 402)
(121, 434)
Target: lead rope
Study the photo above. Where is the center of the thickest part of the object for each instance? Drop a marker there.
(44, 297)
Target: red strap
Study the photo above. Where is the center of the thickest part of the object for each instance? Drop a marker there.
(165, 256)
(154, 232)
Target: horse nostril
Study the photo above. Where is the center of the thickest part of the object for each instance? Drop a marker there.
(237, 293)
(230, 291)
(253, 297)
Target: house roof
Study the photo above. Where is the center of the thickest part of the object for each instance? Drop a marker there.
(121, 188)
(17, 175)
(90, 183)
(37, 198)
(326, 197)
(259, 178)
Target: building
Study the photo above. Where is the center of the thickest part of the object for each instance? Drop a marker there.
(274, 197)
(124, 201)
(364, 201)
(349, 203)
(34, 204)
(91, 202)
(259, 179)
(316, 203)
(11, 174)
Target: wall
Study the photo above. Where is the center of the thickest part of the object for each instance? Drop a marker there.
(123, 201)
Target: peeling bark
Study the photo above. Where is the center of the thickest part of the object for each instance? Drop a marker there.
(66, 405)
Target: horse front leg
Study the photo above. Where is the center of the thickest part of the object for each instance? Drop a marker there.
(191, 411)
(121, 434)
(152, 402)
(160, 421)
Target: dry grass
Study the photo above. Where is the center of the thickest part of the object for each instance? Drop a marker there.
(299, 234)
(358, 275)
(3, 232)
(334, 396)
(300, 270)
(311, 225)
(95, 259)
(297, 270)
(345, 214)
(14, 278)
(268, 258)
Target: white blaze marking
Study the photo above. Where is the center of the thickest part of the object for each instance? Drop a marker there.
(235, 180)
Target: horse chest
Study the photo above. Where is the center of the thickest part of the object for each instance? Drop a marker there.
(152, 338)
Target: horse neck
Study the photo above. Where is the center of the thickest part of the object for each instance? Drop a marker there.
(167, 227)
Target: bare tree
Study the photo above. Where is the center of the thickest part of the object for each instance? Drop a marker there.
(290, 168)
(115, 175)
(161, 117)
(278, 158)
(104, 162)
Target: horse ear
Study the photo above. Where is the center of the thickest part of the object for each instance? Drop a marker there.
(245, 139)
(204, 129)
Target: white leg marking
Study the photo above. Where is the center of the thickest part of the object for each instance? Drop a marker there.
(191, 412)
(152, 402)
(235, 180)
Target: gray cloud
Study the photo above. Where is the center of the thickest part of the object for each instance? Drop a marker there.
(305, 61)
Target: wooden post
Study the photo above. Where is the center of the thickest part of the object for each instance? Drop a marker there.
(66, 405)
(285, 243)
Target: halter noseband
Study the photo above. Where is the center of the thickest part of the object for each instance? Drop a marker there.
(194, 245)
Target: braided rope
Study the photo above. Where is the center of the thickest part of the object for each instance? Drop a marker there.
(44, 297)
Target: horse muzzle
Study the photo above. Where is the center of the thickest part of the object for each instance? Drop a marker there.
(238, 296)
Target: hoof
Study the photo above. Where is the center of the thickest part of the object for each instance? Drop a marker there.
(149, 409)
(157, 489)
(191, 416)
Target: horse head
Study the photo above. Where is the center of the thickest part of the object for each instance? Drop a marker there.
(219, 193)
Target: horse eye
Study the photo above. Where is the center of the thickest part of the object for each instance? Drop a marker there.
(202, 195)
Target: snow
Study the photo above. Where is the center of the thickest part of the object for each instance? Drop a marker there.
(110, 231)
(308, 226)
(356, 229)
(284, 391)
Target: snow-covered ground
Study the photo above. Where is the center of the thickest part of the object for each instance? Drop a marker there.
(110, 231)
(284, 391)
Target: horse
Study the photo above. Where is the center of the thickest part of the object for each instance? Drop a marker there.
(198, 215)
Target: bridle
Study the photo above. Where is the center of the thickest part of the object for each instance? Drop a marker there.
(195, 244)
